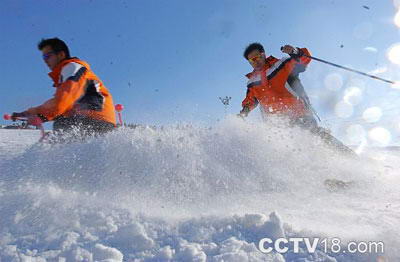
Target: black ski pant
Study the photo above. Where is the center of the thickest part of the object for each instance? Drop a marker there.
(309, 123)
(66, 129)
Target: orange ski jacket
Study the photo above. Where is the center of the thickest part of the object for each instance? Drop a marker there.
(78, 92)
(269, 87)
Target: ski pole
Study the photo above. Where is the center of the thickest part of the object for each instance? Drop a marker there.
(349, 69)
(32, 120)
(119, 108)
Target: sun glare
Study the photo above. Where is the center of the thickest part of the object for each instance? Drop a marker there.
(355, 134)
(353, 95)
(397, 19)
(333, 81)
(396, 85)
(343, 109)
(380, 135)
(372, 114)
(393, 54)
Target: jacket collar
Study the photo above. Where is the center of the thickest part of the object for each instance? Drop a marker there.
(270, 61)
(55, 74)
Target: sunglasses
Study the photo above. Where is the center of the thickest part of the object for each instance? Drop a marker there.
(255, 59)
(48, 55)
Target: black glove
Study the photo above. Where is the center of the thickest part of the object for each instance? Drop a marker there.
(244, 112)
(15, 115)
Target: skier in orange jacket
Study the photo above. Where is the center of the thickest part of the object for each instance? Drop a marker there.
(81, 101)
(274, 84)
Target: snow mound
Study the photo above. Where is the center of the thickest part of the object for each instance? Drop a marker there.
(190, 194)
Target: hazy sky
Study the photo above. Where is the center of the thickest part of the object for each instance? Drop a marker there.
(169, 61)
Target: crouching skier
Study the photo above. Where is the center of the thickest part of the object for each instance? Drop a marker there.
(274, 84)
(82, 105)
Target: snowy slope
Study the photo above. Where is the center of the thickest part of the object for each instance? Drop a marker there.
(190, 194)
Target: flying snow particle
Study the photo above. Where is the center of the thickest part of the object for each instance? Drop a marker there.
(393, 54)
(372, 114)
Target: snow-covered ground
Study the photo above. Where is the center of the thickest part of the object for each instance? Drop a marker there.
(191, 194)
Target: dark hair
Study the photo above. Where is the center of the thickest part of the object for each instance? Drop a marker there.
(252, 47)
(56, 44)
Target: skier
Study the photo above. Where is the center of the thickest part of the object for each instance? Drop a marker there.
(274, 84)
(81, 101)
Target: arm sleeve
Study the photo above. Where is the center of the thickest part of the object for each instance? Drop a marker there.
(297, 62)
(300, 58)
(65, 97)
(250, 101)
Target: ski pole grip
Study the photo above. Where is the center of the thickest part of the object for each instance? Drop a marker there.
(7, 117)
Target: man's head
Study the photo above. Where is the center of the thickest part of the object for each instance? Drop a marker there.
(255, 54)
(54, 51)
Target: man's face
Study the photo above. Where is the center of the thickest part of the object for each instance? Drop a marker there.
(256, 59)
(51, 58)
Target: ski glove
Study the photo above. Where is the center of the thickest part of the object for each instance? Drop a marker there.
(15, 115)
(244, 112)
